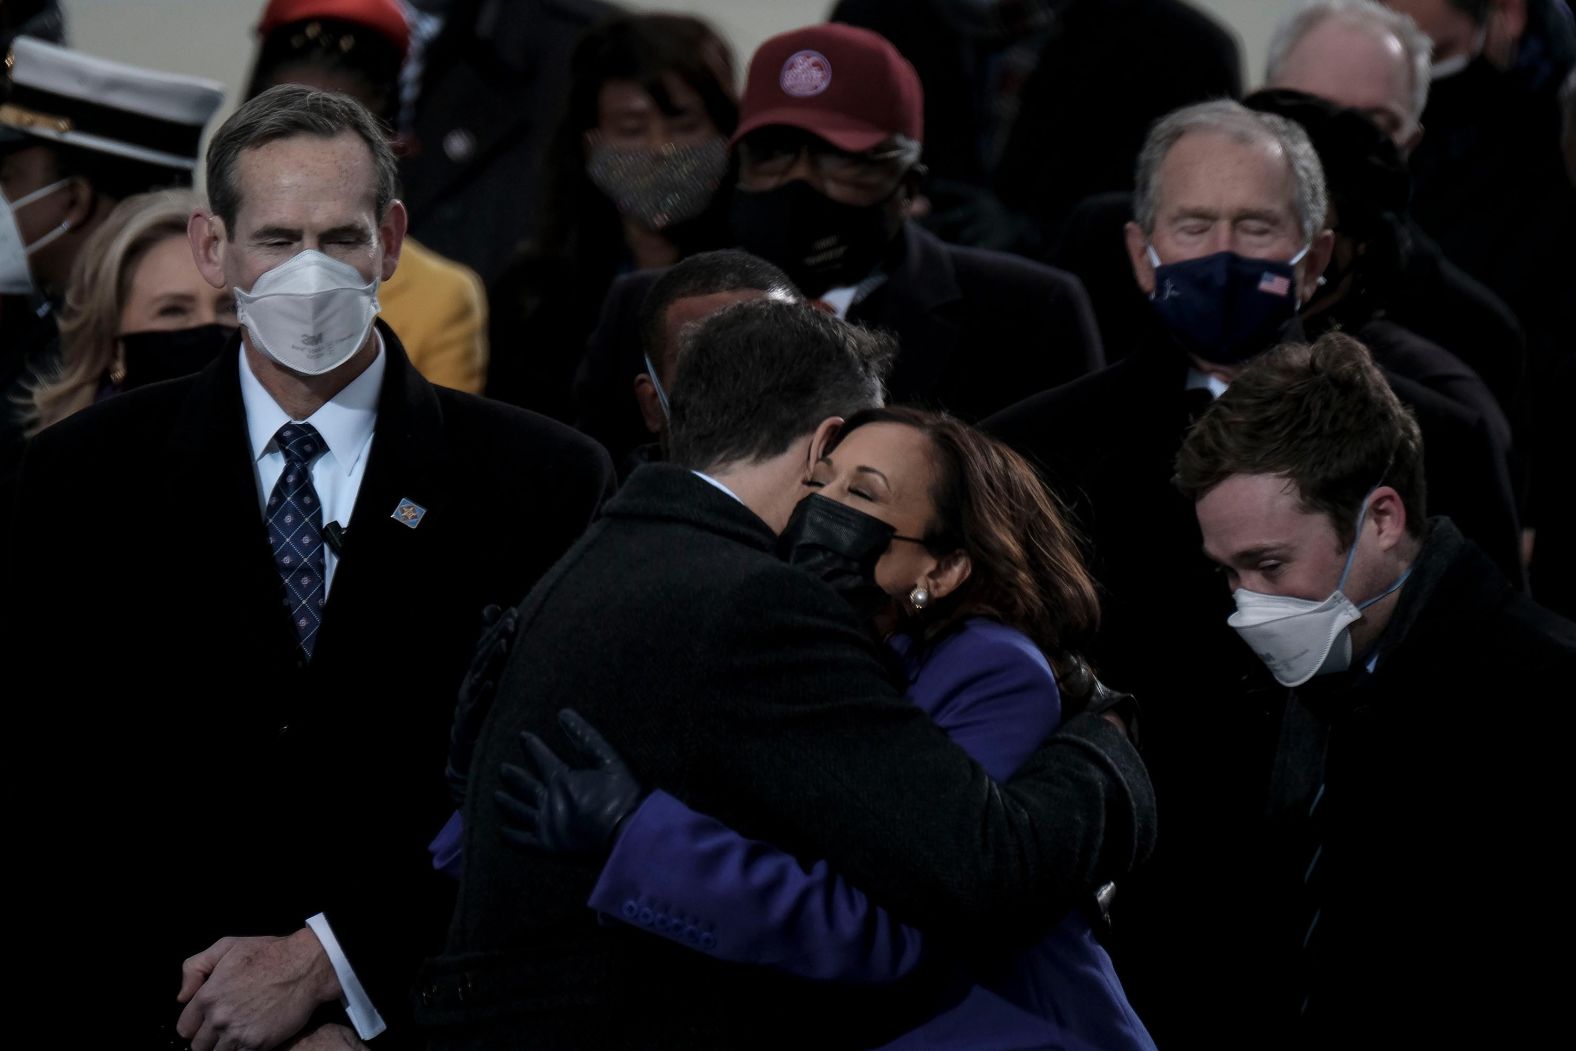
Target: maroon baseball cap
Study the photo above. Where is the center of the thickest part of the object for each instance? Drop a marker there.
(381, 16)
(847, 85)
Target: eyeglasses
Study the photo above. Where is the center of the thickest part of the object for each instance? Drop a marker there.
(766, 161)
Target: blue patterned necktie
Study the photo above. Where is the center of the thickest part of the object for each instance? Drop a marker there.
(295, 531)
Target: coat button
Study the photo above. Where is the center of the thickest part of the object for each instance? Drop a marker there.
(708, 941)
(630, 910)
(691, 935)
(646, 917)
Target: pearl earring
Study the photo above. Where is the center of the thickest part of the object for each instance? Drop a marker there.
(919, 598)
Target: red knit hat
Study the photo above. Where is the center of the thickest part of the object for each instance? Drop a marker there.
(381, 16)
(847, 85)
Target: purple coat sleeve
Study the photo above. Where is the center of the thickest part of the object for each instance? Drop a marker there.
(687, 877)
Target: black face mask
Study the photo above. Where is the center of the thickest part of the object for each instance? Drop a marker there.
(155, 356)
(818, 242)
(840, 546)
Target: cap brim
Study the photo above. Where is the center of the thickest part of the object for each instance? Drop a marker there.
(98, 144)
(846, 133)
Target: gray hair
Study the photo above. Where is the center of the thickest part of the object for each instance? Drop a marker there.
(284, 112)
(1366, 14)
(1237, 122)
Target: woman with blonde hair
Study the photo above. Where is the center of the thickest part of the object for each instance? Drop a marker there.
(136, 310)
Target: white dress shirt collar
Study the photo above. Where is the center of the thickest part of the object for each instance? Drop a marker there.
(709, 480)
(345, 421)
(1197, 379)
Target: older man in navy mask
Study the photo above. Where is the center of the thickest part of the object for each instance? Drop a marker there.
(1229, 240)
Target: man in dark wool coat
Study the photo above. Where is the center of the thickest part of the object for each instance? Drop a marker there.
(251, 596)
(750, 689)
(1408, 803)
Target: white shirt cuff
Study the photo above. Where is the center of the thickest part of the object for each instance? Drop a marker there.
(357, 1004)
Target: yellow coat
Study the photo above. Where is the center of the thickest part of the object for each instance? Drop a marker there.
(438, 308)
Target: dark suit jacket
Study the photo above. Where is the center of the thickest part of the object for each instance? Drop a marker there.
(1443, 304)
(1107, 444)
(975, 329)
(674, 873)
(1490, 185)
(29, 348)
(746, 688)
(1402, 760)
(221, 785)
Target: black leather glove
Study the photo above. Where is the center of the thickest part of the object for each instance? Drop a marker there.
(1103, 700)
(476, 696)
(548, 805)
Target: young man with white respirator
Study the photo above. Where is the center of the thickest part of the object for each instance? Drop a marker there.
(1413, 785)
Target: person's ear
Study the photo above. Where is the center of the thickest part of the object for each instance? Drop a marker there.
(206, 234)
(650, 404)
(1387, 511)
(820, 440)
(950, 574)
(391, 232)
(81, 202)
(1312, 266)
(1138, 256)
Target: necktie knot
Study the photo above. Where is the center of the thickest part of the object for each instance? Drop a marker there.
(300, 442)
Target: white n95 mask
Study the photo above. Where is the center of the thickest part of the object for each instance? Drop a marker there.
(1296, 638)
(310, 313)
(1299, 638)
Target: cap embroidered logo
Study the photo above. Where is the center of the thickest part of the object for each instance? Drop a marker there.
(805, 73)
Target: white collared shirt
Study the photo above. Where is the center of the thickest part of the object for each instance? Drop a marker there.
(839, 299)
(709, 480)
(845, 298)
(345, 422)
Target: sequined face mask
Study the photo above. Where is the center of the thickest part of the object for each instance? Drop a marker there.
(663, 185)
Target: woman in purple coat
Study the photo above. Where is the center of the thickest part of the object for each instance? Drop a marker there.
(951, 543)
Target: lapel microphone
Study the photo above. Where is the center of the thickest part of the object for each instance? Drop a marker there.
(334, 537)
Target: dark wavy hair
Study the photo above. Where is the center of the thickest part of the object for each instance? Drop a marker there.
(1028, 570)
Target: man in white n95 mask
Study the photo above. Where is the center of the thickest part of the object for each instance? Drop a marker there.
(304, 535)
(1413, 783)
